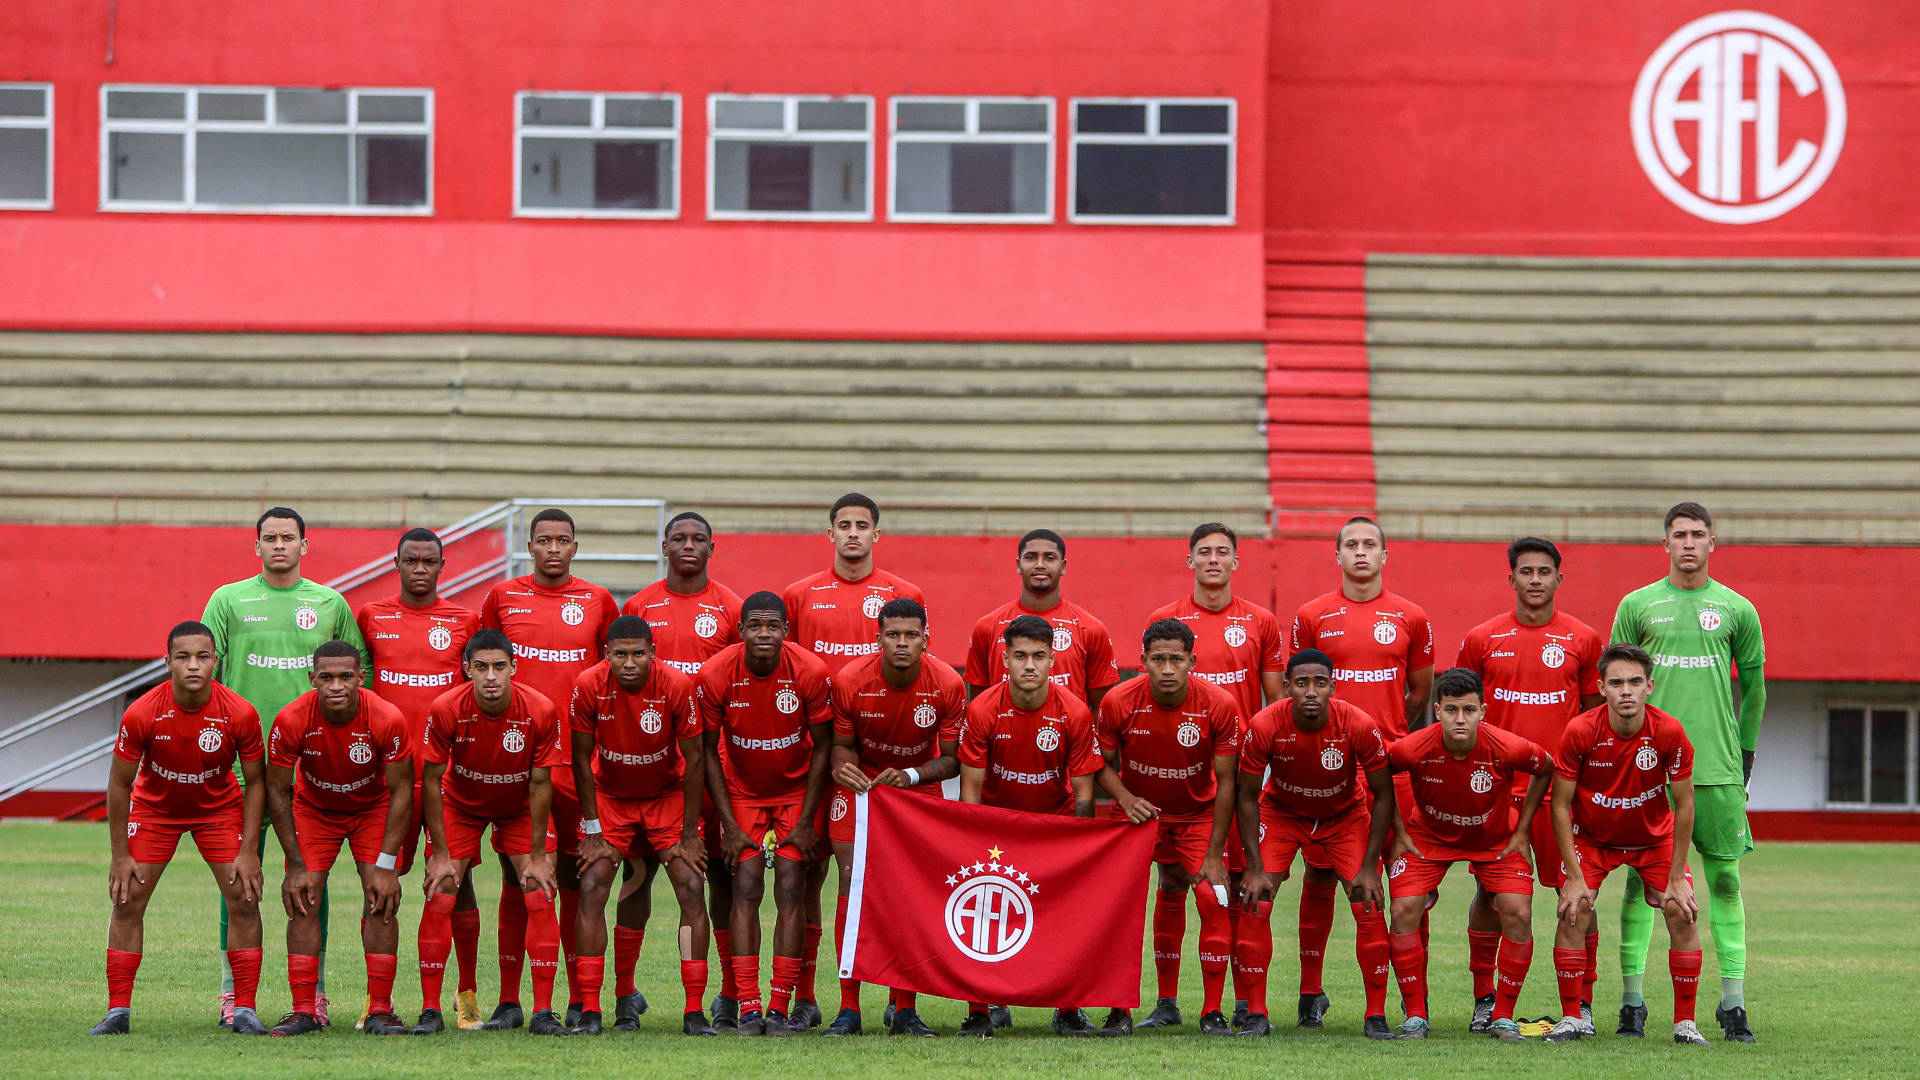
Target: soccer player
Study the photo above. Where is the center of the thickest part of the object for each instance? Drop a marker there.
(769, 728)
(557, 623)
(1461, 774)
(416, 638)
(173, 774)
(1623, 796)
(1537, 665)
(1382, 649)
(896, 723)
(265, 629)
(1702, 635)
(491, 745)
(1325, 763)
(640, 767)
(1045, 764)
(692, 617)
(1171, 743)
(834, 614)
(1082, 651)
(1239, 647)
(340, 769)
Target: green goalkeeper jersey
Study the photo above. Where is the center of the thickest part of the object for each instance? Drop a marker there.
(1698, 639)
(265, 638)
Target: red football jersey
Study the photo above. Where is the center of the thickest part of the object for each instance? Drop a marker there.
(186, 758)
(490, 759)
(1082, 649)
(416, 652)
(838, 620)
(1374, 645)
(1030, 757)
(636, 736)
(1232, 647)
(1534, 675)
(765, 724)
(556, 635)
(1164, 755)
(898, 729)
(1466, 804)
(688, 628)
(339, 768)
(1315, 775)
(1620, 785)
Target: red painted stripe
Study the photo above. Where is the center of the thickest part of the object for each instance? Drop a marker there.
(1838, 826)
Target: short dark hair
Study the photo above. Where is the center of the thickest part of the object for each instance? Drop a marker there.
(1166, 630)
(1048, 535)
(486, 639)
(853, 498)
(902, 607)
(1688, 509)
(763, 601)
(1029, 628)
(419, 536)
(190, 628)
(272, 512)
(629, 626)
(1359, 519)
(552, 513)
(688, 515)
(1458, 682)
(1309, 656)
(1534, 544)
(1620, 650)
(336, 647)
(1208, 528)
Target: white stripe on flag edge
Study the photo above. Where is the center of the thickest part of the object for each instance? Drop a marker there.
(852, 943)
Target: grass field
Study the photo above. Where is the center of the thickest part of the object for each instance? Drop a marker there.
(1834, 954)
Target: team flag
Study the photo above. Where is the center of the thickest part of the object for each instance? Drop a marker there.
(976, 903)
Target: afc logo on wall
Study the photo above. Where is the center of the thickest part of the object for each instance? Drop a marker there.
(1723, 84)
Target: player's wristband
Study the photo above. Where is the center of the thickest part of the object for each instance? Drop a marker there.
(590, 826)
(913, 776)
(387, 860)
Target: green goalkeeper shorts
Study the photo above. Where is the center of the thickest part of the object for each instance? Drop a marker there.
(1720, 821)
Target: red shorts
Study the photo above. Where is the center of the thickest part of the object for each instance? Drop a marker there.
(151, 838)
(320, 833)
(1411, 875)
(563, 821)
(511, 836)
(643, 828)
(1183, 842)
(1337, 844)
(757, 820)
(1655, 864)
(1547, 865)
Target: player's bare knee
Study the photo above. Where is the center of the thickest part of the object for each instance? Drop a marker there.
(1174, 879)
(1405, 913)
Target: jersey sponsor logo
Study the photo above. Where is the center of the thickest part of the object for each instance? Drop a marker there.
(1627, 802)
(988, 915)
(1047, 739)
(1465, 821)
(1710, 54)
(1709, 620)
(1481, 783)
(870, 607)
(305, 617)
(705, 625)
(925, 715)
(338, 789)
(781, 743)
(618, 758)
(440, 638)
(1235, 635)
(1324, 634)
(1014, 777)
(1187, 734)
(787, 702)
(254, 618)
(1529, 697)
(513, 740)
(1685, 663)
(165, 773)
(1161, 772)
(1309, 792)
(919, 749)
(408, 678)
(650, 721)
(360, 753)
(572, 613)
(549, 656)
(691, 667)
(490, 777)
(1331, 759)
(279, 663)
(1646, 759)
(839, 809)
(209, 740)
(1366, 675)
(1552, 655)
(836, 648)
(1222, 678)
(1385, 632)
(1062, 639)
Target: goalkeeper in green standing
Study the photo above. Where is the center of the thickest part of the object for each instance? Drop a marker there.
(1702, 635)
(265, 629)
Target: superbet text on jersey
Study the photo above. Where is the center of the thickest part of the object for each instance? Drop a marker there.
(838, 620)
(556, 633)
(416, 652)
(764, 724)
(1166, 755)
(1030, 757)
(1620, 784)
(1534, 676)
(1232, 647)
(1466, 804)
(1374, 644)
(490, 759)
(1082, 649)
(636, 733)
(688, 628)
(897, 729)
(339, 768)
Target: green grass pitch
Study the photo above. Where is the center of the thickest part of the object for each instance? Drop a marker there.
(1834, 955)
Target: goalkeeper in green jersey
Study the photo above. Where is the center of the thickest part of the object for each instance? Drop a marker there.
(1702, 636)
(265, 629)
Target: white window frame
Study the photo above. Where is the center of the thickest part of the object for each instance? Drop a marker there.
(1153, 136)
(1867, 709)
(972, 134)
(191, 126)
(597, 131)
(43, 124)
(789, 131)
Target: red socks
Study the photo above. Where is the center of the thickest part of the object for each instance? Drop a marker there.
(626, 957)
(1593, 965)
(1515, 958)
(246, 976)
(786, 976)
(569, 933)
(809, 962)
(723, 951)
(1410, 968)
(466, 945)
(1316, 925)
(746, 981)
(1216, 948)
(543, 948)
(1169, 934)
(1483, 946)
(1370, 949)
(436, 940)
(849, 988)
(589, 973)
(902, 999)
(1685, 969)
(693, 978)
(512, 936)
(380, 971)
(1236, 919)
(122, 966)
(1570, 968)
(1252, 952)
(303, 974)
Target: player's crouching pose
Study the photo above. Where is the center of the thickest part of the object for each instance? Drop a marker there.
(340, 769)
(173, 774)
(493, 742)
(1619, 766)
(640, 768)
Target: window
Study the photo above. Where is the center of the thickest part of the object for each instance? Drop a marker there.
(972, 159)
(1871, 756)
(266, 150)
(597, 155)
(790, 157)
(1153, 161)
(26, 146)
